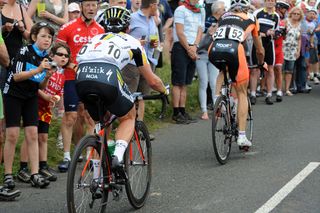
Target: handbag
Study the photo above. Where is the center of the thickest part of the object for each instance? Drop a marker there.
(205, 42)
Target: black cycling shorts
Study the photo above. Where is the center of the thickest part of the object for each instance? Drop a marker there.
(105, 81)
(16, 108)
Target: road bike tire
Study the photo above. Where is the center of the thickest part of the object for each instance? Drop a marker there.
(221, 139)
(76, 199)
(249, 127)
(138, 167)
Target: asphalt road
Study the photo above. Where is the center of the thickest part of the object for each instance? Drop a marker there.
(187, 177)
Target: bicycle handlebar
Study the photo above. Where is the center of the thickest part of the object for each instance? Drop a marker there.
(161, 96)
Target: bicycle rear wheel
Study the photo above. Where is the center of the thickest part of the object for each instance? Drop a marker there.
(220, 130)
(138, 166)
(85, 188)
(249, 127)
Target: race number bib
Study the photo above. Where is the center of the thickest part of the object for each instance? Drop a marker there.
(220, 33)
(236, 34)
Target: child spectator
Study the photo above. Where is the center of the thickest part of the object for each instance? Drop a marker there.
(60, 55)
(29, 72)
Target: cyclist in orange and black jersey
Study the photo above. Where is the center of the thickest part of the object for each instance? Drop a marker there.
(233, 29)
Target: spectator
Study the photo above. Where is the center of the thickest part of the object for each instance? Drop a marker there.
(292, 45)
(74, 11)
(76, 34)
(29, 72)
(16, 25)
(207, 72)
(55, 12)
(312, 62)
(269, 23)
(187, 33)
(48, 97)
(135, 5)
(143, 27)
(281, 9)
(5, 194)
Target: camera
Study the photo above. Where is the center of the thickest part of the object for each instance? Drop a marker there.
(53, 64)
(280, 32)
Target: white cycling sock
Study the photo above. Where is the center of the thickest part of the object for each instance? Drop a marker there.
(66, 156)
(96, 166)
(253, 93)
(242, 134)
(269, 94)
(121, 147)
(279, 92)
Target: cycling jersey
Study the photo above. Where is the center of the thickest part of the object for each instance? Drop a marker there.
(278, 44)
(268, 22)
(54, 87)
(100, 62)
(233, 30)
(77, 33)
(118, 49)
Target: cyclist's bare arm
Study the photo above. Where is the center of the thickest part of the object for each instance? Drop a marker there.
(152, 79)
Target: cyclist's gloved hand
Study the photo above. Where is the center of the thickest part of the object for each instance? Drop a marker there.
(167, 89)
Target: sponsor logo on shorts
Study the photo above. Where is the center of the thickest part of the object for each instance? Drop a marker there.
(224, 46)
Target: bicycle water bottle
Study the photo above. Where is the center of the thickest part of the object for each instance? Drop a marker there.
(111, 146)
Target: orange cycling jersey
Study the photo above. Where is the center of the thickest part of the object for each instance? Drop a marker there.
(77, 33)
(233, 29)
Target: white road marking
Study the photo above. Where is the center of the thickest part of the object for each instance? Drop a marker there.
(285, 190)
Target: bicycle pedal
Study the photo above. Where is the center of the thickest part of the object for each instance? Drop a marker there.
(117, 193)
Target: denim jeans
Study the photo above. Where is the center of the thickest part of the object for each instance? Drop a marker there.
(207, 73)
(301, 73)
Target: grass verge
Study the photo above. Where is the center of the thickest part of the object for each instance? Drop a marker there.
(152, 112)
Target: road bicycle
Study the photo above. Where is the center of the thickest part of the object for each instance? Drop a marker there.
(89, 182)
(224, 122)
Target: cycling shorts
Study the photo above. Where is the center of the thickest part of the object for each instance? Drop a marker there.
(269, 49)
(43, 127)
(15, 108)
(105, 81)
(279, 56)
(232, 52)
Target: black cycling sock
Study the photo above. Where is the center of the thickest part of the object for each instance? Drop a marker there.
(176, 110)
(23, 165)
(43, 164)
(182, 110)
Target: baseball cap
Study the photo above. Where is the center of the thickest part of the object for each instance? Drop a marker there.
(73, 7)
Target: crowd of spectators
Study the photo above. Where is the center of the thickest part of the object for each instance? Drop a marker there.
(36, 32)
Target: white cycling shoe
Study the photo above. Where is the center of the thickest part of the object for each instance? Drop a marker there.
(243, 141)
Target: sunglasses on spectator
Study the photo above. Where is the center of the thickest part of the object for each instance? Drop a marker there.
(62, 54)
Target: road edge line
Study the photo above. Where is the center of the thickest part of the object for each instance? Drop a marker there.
(286, 189)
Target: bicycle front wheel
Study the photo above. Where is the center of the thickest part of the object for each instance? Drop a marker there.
(138, 166)
(85, 184)
(221, 138)
(249, 127)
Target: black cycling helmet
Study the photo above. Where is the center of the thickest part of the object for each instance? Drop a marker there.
(282, 4)
(117, 19)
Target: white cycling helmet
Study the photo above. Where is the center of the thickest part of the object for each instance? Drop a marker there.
(240, 3)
